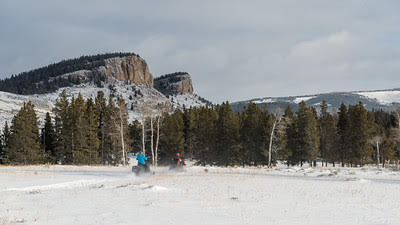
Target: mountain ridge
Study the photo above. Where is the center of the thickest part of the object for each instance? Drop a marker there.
(124, 75)
(385, 99)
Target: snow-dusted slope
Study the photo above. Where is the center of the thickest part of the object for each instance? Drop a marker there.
(383, 99)
(133, 94)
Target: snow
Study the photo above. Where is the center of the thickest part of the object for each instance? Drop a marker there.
(265, 100)
(199, 195)
(297, 100)
(383, 97)
(187, 100)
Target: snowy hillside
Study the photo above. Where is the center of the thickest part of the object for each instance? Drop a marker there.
(133, 94)
(385, 99)
(113, 195)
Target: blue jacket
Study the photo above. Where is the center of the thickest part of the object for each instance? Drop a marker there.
(141, 159)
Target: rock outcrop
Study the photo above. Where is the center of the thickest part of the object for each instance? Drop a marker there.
(174, 83)
(131, 68)
(67, 73)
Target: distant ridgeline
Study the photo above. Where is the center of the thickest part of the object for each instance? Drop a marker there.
(49, 78)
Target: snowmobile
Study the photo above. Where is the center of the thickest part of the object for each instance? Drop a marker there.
(141, 169)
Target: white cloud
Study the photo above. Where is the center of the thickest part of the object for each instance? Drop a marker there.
(333, 48)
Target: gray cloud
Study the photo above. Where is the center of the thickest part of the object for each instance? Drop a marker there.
(235, 50)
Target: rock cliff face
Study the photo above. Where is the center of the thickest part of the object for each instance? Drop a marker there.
(174, 83)
(131, 68)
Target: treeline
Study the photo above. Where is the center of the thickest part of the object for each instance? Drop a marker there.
(37, 81)
(218, 136)
(97, 132)
(170, 75)
(81, 133)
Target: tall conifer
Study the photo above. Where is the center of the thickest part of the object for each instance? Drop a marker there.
(47, 139)
(252, 135)
(227, 135)
(92, 131)
(343, 128)
(23, 146)
(101, 108)
(62, 129)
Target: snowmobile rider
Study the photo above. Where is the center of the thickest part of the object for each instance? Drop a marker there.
(142, 160)
(177, 160)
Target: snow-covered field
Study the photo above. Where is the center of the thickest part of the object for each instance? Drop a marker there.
(198, 195)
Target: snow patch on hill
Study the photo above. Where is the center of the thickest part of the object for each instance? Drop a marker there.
(265, 100)
(300, 99)
(383, 97)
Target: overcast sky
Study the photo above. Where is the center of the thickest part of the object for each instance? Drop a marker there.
(234, 50)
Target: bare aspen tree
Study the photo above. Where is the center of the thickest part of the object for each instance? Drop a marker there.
(165, 107)
(157, 140)
(143, 143)
(121, 105)
(151, 139)
(376, 140)
(152, 110)
(147, 111)
(143, 109)
(277, 120)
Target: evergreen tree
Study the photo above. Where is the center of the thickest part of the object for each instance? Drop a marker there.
(135, 135)
(63, 129)
(190, 121)
(360, 150)
(172, 138)
(4, 141)
(47, 140)
(110, 134)
(102, 110)
(343, 128)
(328, 135)
(79, 131)
(205, 133)
(252, 135)
(388, 151)
(288, 137)
(116, 133)
(23, 146)
(307, 134)
(313, 140)
(92, 131)
(227, 136)
(383, 120)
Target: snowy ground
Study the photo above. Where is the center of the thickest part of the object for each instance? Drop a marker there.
(198, 195)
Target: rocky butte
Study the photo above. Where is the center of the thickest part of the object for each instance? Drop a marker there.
(124, 75)
(131, 68)
(174, 83)
(128, 68)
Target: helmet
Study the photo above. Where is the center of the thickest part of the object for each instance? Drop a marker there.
(177, 154)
